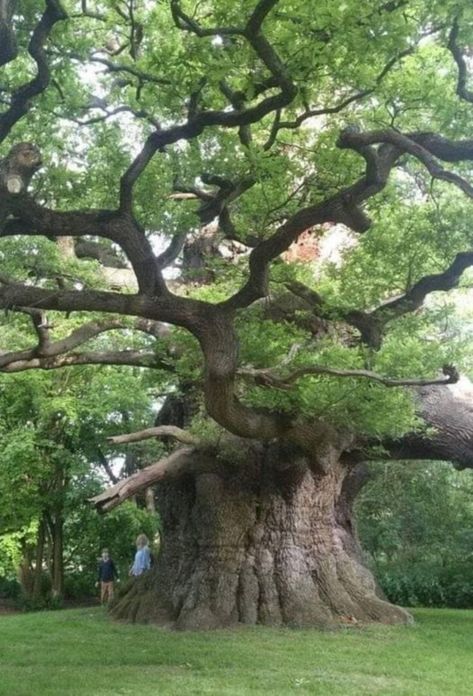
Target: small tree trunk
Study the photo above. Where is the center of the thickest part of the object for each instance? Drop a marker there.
(25, 571)
(258, 543)
(39, 554)
(150, 500)
(57, 565)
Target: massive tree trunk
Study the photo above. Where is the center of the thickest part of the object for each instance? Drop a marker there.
(264, 540)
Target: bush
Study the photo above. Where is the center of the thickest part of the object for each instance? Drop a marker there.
(422, 585)
(416, 524)
(9, 588)
(79, 585)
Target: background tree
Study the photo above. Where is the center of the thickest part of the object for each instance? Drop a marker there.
(209, 137)
(53, 458)
(415, 523)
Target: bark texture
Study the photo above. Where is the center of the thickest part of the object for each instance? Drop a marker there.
(258, 543)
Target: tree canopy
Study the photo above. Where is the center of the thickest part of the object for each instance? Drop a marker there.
(156, 120)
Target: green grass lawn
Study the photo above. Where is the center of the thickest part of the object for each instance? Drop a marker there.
(82, 653)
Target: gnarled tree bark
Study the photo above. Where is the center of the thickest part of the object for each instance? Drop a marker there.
(254, 533)
(260, 540)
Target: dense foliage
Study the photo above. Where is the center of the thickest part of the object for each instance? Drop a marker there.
(54, 458)
(416, 525)
(109, 90)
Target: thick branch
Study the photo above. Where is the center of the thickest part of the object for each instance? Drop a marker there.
(448, 414)
(32, 219)
(46, 349)
(421, 148)
(414, 298)
(175, 465)
(135, 358)
(192, 129)
(159, 431)
(462, 90)
(21, 97)
(8, 47)
(180, 311)
(267, 378)
(371, 324)
(46, 354)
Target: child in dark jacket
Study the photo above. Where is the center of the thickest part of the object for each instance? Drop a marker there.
(107, 574)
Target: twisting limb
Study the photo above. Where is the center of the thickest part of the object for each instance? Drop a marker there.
(266, 378)
(30, 218)
(173, 466)
(8, 47)
(343, 207)
(201, 120)
(414, 298)
(22, 96)
(193, 128)
(159, 431)
(48, 354)
(411, 146)
(131, 358)
(462, 89)
(46, 348)
(371, 324)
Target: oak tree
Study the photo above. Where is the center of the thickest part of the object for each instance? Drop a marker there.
(186, 148)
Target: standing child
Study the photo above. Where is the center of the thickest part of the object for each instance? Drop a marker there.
(142, 560)
(107, 573)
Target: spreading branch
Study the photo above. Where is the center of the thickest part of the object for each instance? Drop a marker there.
(371, 324)
(267, 378)
(21, 99)
(181, 461)
(30, 219)
(414, 298)
(200, 120)
(420, 148)
(48, 354)
(159, 431)
(8, 46)
(130, 358)
(462, 89)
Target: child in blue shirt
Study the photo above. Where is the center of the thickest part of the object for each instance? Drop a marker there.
(142, 560)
